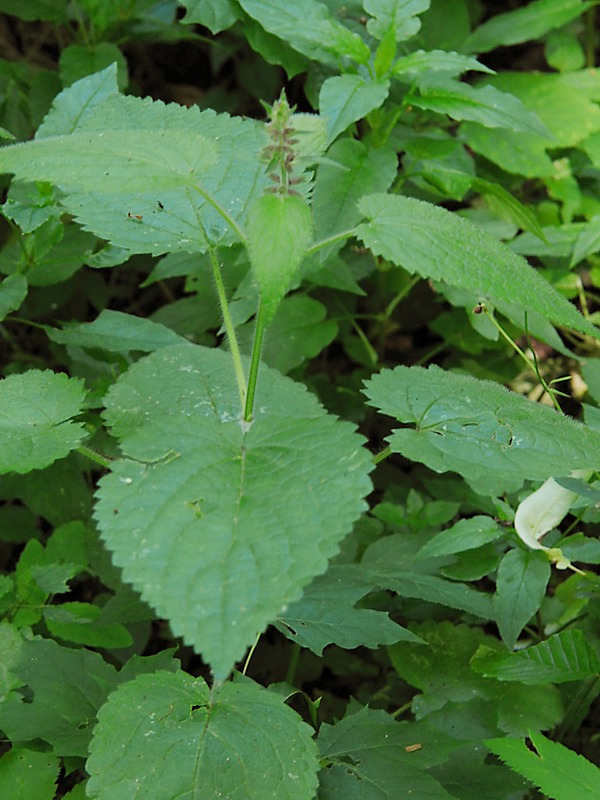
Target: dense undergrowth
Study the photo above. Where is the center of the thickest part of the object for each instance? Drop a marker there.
(299, 422)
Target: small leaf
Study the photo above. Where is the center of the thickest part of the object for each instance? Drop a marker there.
(198, 493)
(520, 588)
(116, 332)
(310, 28)
(561, 658)
(28, 775)
(489, 435)
(216, 15)
(35, 427)
(483, 104)
(559, 772)
(279, 232)
(327, 613)
(13, 290)
(424, 62)
(344, 99)
(438, 244)
(400, 15)
(166, 735)
(467, 534)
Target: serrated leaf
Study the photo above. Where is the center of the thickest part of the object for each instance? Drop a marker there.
(67, 686)
(168, 735)
(524, 24)
(467, 534)
(344, 99)
(279, 232)
(116, 332)
(438, 244)
(559, 772)
(520, 588)
(28, 775)
(479, 429)
(434, 590)
(350, 171)
(401, 15)
(564, 657)
(483, 104)
(327, 614)
(369, 755)
(35, 427)
(188, 514)
(13, 290)
(309, 27)
(150, 177)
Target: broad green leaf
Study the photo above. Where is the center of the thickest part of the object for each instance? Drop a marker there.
(368, 755)
(344, 99)
(187, 512)
(489, 435)
(468, 775)
(524, 24)
(483, 104)
(13, 290)
(350, 171)
(327, 613)
(36, 408)
(521, 153)
(434, 590)
(466, 534)
(31, 205)
(167, 735)
(309, 27)
(520, 588)
(421, 63)
(151, 177)
(72, 107)
(298, 332)
(401, 15)
(560, 773)
(216, 15)
(116, 332)
(279, 232)
(564, 657)
(438, 244)
(568, 114)
(66, 687)
(28, 775)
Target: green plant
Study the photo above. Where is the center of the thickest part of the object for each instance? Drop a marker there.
(197, 483)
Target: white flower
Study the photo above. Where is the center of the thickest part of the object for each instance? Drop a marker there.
(542, 511)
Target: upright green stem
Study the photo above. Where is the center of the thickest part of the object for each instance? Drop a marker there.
(254, 362)
(231, 337)
(532, 366)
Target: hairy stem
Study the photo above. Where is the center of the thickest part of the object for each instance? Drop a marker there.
(259, 331)
(231, 337)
